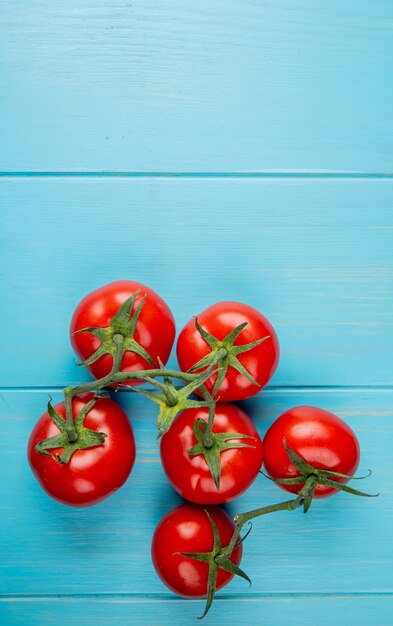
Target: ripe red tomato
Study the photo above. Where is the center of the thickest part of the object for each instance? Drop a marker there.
(155, 329)
(258, 362)
(91, 474)
(190, 475)
(319, 437)
(187, 529)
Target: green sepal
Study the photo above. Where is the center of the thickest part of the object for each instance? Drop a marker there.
(203, 557)
(230, 351)
(354, 492)
(130, 345)
(311, 477)
(229, 566)
(106, 347)
(172, 401)
(53, 414)
(329, 473)
(301, 465)
(216, 558)
(58, 441)
(121, 318)
(219, 444)
(211, 341)
(97, 332)
(86, 438)
(121, 324)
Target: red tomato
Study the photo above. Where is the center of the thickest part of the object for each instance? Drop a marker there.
(219, 320)
(319, 437)
(190, 475)
(187, 529)
(155, 330)
(91, 474)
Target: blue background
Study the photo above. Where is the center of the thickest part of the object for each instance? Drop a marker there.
(212, 150)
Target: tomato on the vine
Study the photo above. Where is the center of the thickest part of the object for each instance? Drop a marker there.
(246, 338)
(190, 466)
(91, 474)
(320, 438)
(148, 328)
(188, 529)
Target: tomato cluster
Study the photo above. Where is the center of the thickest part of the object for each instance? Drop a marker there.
(83, 449)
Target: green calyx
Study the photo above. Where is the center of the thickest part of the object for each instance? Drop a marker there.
(121, 324)
(210, 445)
(217, 558)
(226, 353)
(310, 476)
(171, 400)
(85, 438)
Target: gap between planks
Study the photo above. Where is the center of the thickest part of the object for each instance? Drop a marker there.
(129, 597)
(233, 174)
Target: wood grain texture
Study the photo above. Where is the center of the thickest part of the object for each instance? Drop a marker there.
(342, 546)
(213, 150)
(196, 86)
(272, 610)
(314, 255)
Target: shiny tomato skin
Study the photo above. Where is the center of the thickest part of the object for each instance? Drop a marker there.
(91, 474)
(319, 437)
(218, 320)
(190, 475)
(187, 529)
(155, 329)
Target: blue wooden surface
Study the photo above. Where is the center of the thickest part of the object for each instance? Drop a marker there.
(213, 151)
(206, 86)
(314, 255)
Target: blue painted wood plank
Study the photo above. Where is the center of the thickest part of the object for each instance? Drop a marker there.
(102, 84)
(218, 88)
(314, 255)
(301, 610)
(342, 546)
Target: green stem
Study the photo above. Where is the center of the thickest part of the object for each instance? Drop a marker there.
(170, 397)
(289, 505)
(221, 354)
(208, 439)
(171, 400)
(117, 359)
(69, 392)
(70, 426)
(121, 377)
(117, 376)
(243, 518)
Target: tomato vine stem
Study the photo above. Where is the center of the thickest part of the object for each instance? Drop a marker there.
(119, 377)
(289, 505)
(70, 426)
(122, 377)
(118, 340)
